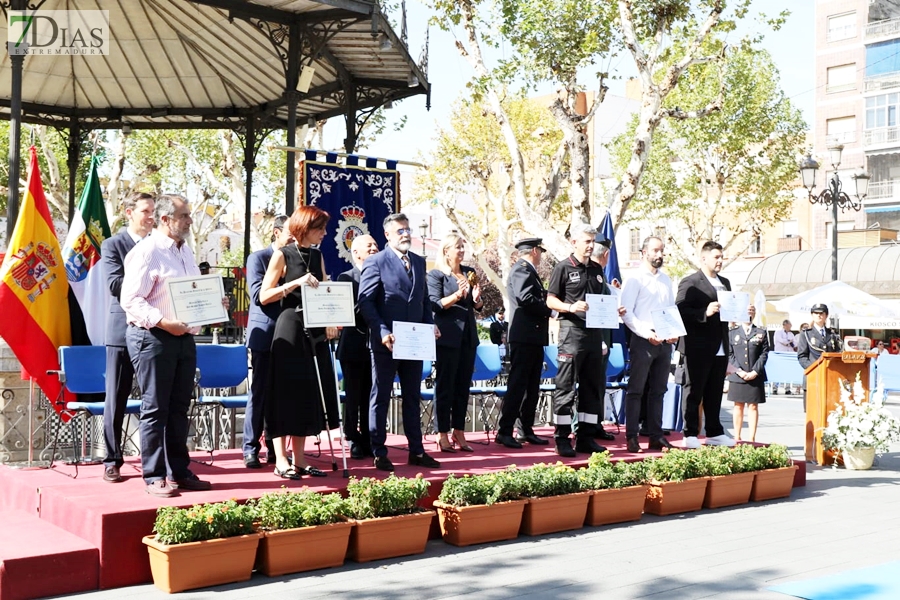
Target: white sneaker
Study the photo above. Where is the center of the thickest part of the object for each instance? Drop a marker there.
(720, 440)
(691, 442)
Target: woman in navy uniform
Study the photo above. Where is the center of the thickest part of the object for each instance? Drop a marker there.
(747, 383)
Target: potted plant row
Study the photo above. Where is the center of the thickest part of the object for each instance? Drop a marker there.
(618, 489)
(474, 509)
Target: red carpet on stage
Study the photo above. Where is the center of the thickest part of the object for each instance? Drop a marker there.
(112, 518)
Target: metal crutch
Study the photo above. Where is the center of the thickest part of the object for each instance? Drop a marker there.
(312, 344)
(337, 391)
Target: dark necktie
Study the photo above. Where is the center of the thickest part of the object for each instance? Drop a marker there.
(406, 264)
(822, 333)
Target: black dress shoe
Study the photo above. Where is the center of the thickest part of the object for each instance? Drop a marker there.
(564, 448)
(507, 440)
(632, 445)
(602, 434)
(251, 461)
(423, 460)
(536, 440)
(355, 451)
(383, 463)
(644, 432)
(659, 444)
(111, 474)
(588, 445)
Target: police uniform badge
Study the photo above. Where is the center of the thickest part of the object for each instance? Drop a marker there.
(351, 225)
(737, 338)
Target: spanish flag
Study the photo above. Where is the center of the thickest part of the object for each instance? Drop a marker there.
(34, 290)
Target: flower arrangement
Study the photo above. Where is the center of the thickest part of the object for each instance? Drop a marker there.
(369, 498)
(201, 522)
(305, 508)
(855, 423)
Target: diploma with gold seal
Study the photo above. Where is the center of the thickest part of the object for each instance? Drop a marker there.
(329, 305)
(197, 300)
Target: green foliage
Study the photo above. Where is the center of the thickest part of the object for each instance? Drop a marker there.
(542, 480)
(603, 474)
(289, 510)
(675, 465)
(486, 488)
(678, 465)
(759, 458)
(203, 522)
(370, 498)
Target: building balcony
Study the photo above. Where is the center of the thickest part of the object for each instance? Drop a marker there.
(789, 244)
(883, 190)
(846, 137)
(883, 29)
(881, 136)
(877, 83)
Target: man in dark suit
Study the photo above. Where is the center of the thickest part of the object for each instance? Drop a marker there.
(119, 370)
(704, 349)
(527, 335)
(356, 360)
(499, 327)
(260, 328)
(812, 342)
(392, 288)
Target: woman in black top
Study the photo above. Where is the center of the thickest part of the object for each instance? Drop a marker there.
(455, 296)
(294, 407)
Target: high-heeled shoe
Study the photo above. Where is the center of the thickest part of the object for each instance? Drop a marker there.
(448, 448)
(462, 444)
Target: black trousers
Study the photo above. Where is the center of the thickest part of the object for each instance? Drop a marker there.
(358, 388)
(452, 380)
(523, 388)
(649, 369)
(256, 401)
(119, 379)
(582, 363)
(704, 381)
(164, 365)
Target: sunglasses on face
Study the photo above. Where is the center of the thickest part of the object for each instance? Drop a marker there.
(404, 230)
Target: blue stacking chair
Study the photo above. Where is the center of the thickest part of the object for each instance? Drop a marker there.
(221, 367)
(615, 381)
(484, 390)
(82, 370)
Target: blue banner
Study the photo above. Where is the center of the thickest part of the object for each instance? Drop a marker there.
(357, 199)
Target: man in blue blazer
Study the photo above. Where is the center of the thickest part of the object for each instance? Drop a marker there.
(356, 361)
(260, 328)
(392, 288)
(119, 370)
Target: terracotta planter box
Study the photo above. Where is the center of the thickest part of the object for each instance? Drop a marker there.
(387, 537)
(554, 513)
(616, 505)
(467, 525)
(182, 567)
(773, 483)
(728, 490)
(303, 549)
(673, 497)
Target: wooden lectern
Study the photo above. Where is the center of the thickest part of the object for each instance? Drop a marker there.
(823, 392)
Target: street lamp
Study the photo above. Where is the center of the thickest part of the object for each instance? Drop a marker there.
(833, 195)
(424, 229)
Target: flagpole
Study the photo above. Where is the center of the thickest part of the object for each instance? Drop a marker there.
(344, 155)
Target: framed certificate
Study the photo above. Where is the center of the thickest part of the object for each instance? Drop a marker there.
(329, 305)
(602, 312)
(197, 300)
(734, 306)
(667, 323)
(413, 341)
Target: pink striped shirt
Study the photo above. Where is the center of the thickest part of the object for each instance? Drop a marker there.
(145, 295)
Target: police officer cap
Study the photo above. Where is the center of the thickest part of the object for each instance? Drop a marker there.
(819, 308)
(529, 243)
(603, 240)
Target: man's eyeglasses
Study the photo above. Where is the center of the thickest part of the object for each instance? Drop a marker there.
(404, 230)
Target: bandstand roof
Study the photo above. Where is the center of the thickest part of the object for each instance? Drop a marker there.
(214, 63)
(874, 270)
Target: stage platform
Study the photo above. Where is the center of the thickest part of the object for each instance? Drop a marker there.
(114, 517)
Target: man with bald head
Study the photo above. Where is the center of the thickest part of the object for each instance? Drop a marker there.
(355, 360)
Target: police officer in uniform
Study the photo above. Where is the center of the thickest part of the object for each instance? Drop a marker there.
(812, 342)
(749, 350)
(527, 335)
(582, 352)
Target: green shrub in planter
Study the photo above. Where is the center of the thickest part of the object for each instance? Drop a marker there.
(603, 474)
(305, 508)
(201, 522)
(542, 480)
(760, 458)
(486, 488)
(676, 465)
(370, 498)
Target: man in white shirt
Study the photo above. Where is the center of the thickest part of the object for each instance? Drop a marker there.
(649, 290)
(784, 338)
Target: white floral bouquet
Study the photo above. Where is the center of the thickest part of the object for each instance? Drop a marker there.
(855, 423)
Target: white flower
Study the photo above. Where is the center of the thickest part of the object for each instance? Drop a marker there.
(855, 423)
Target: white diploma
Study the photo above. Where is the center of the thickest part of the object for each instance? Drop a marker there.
(197, 300)
(667, 323)
(734, 306)
(329, 305)
(602, 312)
(413, 341)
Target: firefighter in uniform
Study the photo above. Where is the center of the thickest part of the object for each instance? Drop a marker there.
(582, 352)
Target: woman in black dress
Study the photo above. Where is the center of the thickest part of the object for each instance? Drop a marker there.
(747, 383)
(294, 407)
(455, 296)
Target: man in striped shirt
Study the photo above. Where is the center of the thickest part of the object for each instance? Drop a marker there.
(162, 348)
